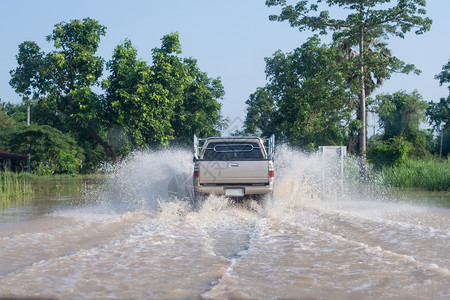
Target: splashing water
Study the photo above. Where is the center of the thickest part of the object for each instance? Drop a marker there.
(321, 236)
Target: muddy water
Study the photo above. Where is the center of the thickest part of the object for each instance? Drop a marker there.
(320, 238)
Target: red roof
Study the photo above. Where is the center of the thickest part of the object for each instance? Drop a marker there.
(4, 154)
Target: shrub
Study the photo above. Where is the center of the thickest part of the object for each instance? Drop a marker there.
(392, 152)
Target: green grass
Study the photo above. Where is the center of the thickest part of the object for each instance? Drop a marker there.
(429, 174)
(12, 187)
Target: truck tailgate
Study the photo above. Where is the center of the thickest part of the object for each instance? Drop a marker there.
(233, 172)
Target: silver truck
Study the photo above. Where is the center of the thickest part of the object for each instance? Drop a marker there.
(233, 166)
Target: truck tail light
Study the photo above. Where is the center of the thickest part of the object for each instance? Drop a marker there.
(196, 171)
(271, 173)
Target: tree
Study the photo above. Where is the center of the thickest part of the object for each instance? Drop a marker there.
(306, 98)
(363, 26)
(61, 81)
(400, 115)
(132, 103)
(143, 105)
(48, 145)
(170, 100)
(261, 110)
(199, 111)
(439, 113)
(7, 125)
(444, 76)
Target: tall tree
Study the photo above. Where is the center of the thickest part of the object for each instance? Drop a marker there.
(62, 80)
(439, 113)
(133, 103)
(170, 100)
(199, 111)
(306, 98)
(369, 20)
(400, 114)
(261, 112)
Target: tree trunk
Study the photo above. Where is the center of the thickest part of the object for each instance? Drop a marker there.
(104, 144)
(362, 106)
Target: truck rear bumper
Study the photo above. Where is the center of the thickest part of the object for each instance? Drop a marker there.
(248, 190)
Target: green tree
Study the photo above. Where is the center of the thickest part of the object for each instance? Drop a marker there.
(400, 115)
(368, 21)
(7, 125)
(261, 113)
(131, 105)
(170, 100)
(199, 111)
(439, 113)
(143, 105)
(61, 81)
(48, 145)
(306, 98)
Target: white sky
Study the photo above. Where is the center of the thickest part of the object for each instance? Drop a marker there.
(229, 38)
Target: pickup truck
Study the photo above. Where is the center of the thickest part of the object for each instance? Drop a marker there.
(233, 166)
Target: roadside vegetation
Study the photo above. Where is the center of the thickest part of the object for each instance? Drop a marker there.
(12, 187)
(429, 174)
(315, 95)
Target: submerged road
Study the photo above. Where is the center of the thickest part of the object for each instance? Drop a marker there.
(308, 243)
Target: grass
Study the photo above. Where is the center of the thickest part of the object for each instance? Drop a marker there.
(13, 187)
(429, 174)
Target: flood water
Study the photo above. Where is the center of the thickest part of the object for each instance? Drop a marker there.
(319, 238)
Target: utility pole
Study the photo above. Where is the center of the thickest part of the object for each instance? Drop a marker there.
(442, 140)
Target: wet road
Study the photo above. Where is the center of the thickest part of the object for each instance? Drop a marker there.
(318, 239)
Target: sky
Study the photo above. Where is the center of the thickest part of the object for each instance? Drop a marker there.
(229, 39)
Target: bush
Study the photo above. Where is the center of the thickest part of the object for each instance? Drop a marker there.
(68, 163)
(42, 169)
(392, 152)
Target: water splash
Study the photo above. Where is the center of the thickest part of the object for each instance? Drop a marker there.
(161, 180)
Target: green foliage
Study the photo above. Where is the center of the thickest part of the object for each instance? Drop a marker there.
(366, 23)
(444, 75)
(306, 99)
(260, 116)
(392, 20)
(7, 125)
(393, 152)
(400, 115)
(48, 146)
(68, 163)
(144, 105)
(60, 82)
(431, 174)
(439, 113)
(42, 169)
(199, 111)
(171, 99)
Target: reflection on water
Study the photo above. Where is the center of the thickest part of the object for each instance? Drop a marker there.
(48, 195)
(421, 197)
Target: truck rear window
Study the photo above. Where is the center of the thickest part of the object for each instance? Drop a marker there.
(233, 151)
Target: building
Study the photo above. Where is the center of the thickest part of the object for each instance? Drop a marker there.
(12, 161)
